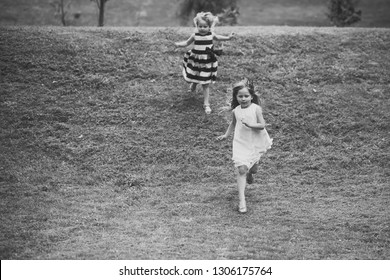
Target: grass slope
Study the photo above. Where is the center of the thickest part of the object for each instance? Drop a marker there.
(105, 156)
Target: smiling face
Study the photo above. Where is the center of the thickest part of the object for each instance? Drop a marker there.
(244, 98)
(203, 27)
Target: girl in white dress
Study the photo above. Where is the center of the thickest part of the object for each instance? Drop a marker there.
(250, 140)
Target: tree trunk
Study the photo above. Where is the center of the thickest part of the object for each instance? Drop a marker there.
(62, 13)
(101, 12)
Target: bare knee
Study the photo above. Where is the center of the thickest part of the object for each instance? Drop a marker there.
(242, 170)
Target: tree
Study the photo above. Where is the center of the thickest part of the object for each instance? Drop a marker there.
(101, 5)
(343, 13)
(188, 8)
(228, 16)
(62, 8)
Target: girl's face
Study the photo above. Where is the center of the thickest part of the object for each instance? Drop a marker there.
(244, 98)
(203, 27)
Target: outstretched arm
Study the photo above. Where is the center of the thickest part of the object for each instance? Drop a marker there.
(186, 43)
(229, 129)
(218, 37)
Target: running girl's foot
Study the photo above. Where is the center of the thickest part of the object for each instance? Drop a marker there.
(207, 108)
(249, 178)
(242, 209)
(192, 88)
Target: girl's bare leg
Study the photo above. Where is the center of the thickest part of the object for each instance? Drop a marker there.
(241, 184)
(193, 87)
(206, 96)
(254, 168)
(249, 175)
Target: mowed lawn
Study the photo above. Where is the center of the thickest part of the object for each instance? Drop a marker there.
(104, 155)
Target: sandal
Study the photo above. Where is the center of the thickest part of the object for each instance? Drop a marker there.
(207, 108)
(242, 210)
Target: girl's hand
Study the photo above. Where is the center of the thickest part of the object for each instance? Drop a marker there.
(224, 109)
(253, 125)
(232, 35)
(221, 137)
(244, 122)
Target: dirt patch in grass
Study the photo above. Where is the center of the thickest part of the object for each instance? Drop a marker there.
(105, 156)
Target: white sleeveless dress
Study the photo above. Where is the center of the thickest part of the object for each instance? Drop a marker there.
(248, 144)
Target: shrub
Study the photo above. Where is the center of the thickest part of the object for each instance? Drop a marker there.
(343, 13)
(188, 8)
(228, 16)
(62, 8)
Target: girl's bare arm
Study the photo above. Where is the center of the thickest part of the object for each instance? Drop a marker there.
(186, 43)
(260, 123)
(229, 129)
(218, 37)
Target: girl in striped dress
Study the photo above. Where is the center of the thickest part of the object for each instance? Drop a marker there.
(200, 64)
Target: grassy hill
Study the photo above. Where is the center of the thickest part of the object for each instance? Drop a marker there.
(376, 13)
(105, 156)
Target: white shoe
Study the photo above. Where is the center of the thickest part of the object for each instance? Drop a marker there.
(242, 210)
(207, 109)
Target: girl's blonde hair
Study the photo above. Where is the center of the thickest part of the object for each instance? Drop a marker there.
(208, 17)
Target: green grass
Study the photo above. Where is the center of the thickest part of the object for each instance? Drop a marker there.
(105, 156)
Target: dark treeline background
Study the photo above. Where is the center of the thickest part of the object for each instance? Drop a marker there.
(375, 13)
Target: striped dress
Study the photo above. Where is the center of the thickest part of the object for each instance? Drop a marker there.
(199, 64)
